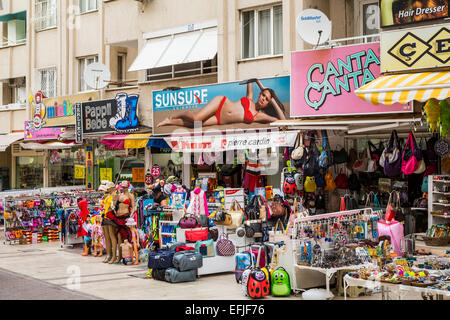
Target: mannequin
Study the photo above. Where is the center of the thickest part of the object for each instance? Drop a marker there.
(134, 240)
(108, 225)
(98, 238)
(124, 205)
(158, 193)
(126, 249)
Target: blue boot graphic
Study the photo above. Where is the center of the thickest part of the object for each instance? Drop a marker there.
(130, 121)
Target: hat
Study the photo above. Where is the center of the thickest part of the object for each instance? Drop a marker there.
(125, 184)
(102, 188)
(110, 185)
(130, 222)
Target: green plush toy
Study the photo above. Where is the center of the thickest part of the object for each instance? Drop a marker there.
(281, 285)
(444, 119)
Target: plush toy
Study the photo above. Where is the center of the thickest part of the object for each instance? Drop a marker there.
(432, 111)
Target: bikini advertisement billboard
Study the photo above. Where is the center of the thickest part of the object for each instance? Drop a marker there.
(323, 82)
(242, 105)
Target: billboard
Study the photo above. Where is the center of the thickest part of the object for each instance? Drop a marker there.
(399, 12)
(248, 104)
(323, 81)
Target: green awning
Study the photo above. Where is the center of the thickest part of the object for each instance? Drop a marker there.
(22, 15)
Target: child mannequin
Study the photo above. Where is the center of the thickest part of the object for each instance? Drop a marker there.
(98, 238)
(87, 239)
(126, 252)
(134, 239)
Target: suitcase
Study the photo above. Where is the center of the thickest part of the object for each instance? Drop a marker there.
(161, 259)
(159, 274)
(242, 261)
(172, 275)
(187, 260)
(257, 284)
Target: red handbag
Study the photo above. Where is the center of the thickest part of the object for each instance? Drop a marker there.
(197, 235)
(341, 181)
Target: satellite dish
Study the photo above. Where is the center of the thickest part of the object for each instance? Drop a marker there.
(313, 26)
(97, 76)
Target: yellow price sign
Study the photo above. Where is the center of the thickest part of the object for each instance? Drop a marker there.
(80, 172)
(106, 174)
(138, 174)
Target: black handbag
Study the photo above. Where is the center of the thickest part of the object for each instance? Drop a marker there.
(252, 209)
(339, 156)
(311, 165)
(203, 220)
(213, 234)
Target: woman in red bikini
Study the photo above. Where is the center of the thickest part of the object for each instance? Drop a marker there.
(220, 110)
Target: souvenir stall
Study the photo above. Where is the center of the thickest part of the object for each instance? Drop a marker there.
(44, 217)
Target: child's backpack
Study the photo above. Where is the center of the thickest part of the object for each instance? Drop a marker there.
(243, 261)
(257, 284)
(281, 285)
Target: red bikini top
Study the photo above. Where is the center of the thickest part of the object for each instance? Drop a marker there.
(127, 201)
(248, 116)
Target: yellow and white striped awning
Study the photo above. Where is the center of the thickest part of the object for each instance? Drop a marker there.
(404, 88)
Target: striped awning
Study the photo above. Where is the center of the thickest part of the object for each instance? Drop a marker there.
(404, 88)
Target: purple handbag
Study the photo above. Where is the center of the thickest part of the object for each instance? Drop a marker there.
(225, 247)
(394, 168)
(187, 222)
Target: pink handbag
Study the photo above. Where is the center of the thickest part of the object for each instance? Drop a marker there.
(394, 229)
(410, 165)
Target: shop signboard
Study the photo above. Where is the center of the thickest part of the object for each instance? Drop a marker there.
(155, 171)
(415, 48)
(89, 167)
(59, 111)
(400, 12)
(41, 134)
(138, 174)
(107, 116)
(218, 107)
(323, 81)
(148, 178)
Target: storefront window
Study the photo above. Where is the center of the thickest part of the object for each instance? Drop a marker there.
(29, 172)
(62, 167)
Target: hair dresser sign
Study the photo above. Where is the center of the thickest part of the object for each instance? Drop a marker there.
(323, 81)
(411, 11)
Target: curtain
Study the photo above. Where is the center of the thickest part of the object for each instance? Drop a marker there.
(277, 30)
(264, 32)
(248, 34)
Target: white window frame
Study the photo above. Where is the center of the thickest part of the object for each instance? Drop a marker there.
(46, 90)
(87, 3)
(256, 25)
(49, 18)
(84, 60)
(359, 15)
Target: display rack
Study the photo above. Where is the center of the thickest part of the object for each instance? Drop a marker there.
(438, 189)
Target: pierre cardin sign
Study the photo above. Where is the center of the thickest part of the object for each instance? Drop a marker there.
(415, 48)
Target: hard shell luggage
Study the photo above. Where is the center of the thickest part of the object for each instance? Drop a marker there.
(242, 261)
(174, 276)
(187, 260)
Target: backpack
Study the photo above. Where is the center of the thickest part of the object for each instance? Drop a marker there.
(310, 184)
(289, 186)
(242, 261)
(281, 285)
(425, 184)
(257, 285)
(244, 281)
(320, 181)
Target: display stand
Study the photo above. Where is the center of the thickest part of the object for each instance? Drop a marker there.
(438, 189)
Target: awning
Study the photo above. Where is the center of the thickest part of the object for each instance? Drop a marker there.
(22, 15)
(48, 145)
(132, 141)
(404, 88)
(8, 139)
(234, 141)
(179, 48)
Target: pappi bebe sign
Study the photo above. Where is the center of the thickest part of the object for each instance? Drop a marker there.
(323, 81)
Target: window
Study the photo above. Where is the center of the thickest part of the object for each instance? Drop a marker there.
(121, 58)
(45, 14)
(48, 82)
(83, 63)
(262, 32)
(88, 5)
(367, 14)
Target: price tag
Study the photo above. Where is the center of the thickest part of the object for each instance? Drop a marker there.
(148, 179)
(106, 174)
(156, 171)
(138, 174)
(80, 172)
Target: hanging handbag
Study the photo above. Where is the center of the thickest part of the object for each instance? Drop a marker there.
(324, 159)
(329, 181)
(237, 215)
(390, 212)
(225, 247)
(410, 156)
(196, 235)
(424, 187)
(252, 209)
(188, 222)
(311, 165)
(299, 181)
(222, 218)
(298, 151)
(391, 159)
(362, 163)
(384, 185)
(289, 185)
(277, 208)
(352, 157)
(341, 181)
(353, 182)
(320, 181)
(203, 220)
(421, 167)
(340, 156)
(213, 234)
(278, 235)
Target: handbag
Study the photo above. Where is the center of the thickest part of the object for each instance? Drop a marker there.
(329, 181)
(320, 181)
(391, 160)
(237, 215)
(311, 165)
(298, 151)
(278, 235)
(188, 222)
(424, 187)
(352, 157)
(203, 220)
(362, 163)
(196, 235)
(252, 209)
(410, 156)
(384, 185)
(222, 218)
(340, 156)
(253, 228)
(341, 181)
(225, 247)
(277, 208)
(289, 185)
(324, 160)
(205, 248)
(213, 234)
(353, 182)
(390, 212)
(421, 167)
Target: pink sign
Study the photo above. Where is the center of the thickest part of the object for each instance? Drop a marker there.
(323, 81)
(41, 134)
